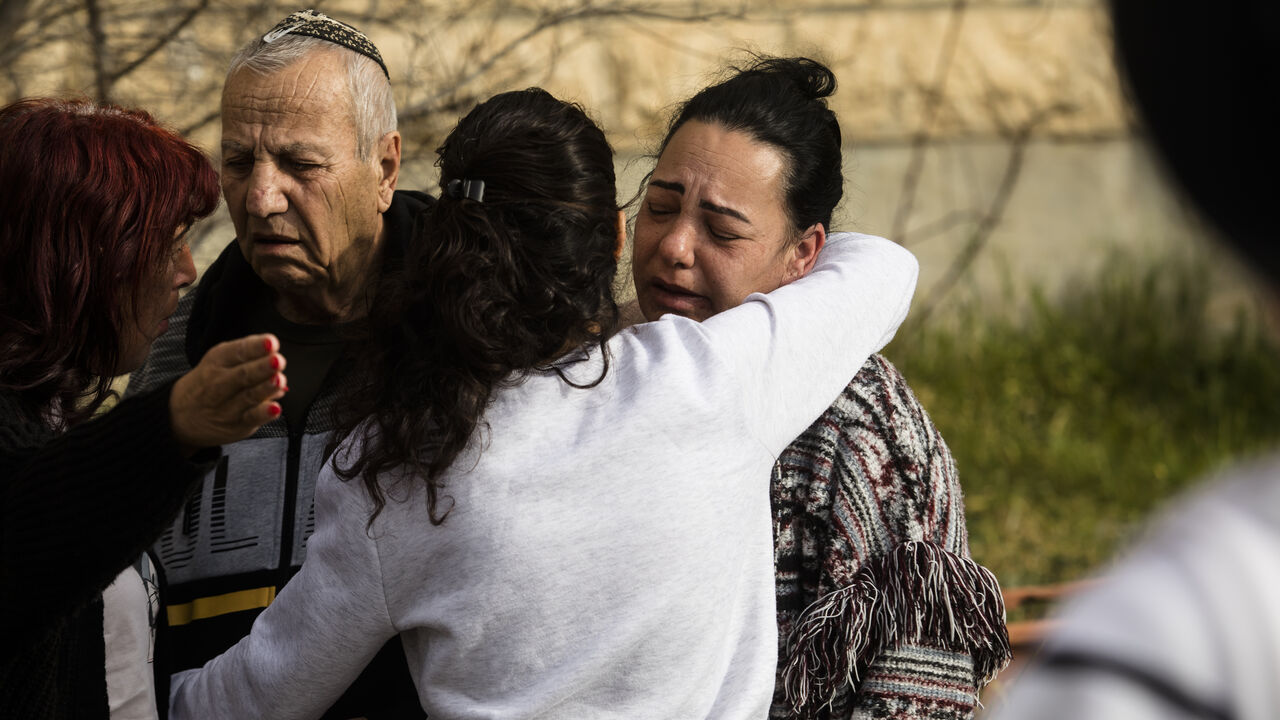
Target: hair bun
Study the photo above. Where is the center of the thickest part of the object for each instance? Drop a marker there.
(813, 79)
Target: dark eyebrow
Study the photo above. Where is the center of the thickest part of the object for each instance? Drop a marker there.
(705, 205)
(665, 185)
(723, 211)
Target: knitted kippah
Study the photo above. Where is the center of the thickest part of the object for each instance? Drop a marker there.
(318, 25)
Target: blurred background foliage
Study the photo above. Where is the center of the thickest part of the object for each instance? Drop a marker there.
(1073, 418)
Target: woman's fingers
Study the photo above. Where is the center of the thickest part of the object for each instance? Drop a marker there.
(246, 349)
(261, 406)
(257, 373)
(230, 393)
(273, 388)
(262, 413)
(236, 366)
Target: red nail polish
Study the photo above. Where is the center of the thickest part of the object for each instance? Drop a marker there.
(275, 362)
(266, 344)
(274, 409)
(286, 388)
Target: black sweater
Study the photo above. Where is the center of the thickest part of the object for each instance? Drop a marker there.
(76, 509)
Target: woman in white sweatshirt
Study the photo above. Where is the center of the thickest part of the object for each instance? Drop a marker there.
(558, 518)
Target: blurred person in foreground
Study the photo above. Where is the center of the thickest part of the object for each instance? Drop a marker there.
(1188, 624)
(881, 611)
(310, 161)
(560, 519)
(97, 201)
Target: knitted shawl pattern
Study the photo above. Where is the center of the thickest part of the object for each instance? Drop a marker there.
(881, 611)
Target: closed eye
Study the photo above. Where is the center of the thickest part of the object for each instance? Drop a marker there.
(301, 166)
(238, 162)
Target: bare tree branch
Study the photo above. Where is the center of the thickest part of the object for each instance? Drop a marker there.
(45, 29)
(941, 225)
(544, 22)
(98, 50)
(162, 41)
(992, 217)
(12, 14)
(933, 101)
(200, 123)
(671, 42)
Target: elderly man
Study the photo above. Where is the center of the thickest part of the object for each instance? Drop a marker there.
(310, 159)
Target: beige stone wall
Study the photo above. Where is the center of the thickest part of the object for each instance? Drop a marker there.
(1007, 65)
(1005, 62)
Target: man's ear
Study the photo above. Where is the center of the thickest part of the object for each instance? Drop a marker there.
(622, 235)
(803, 254)
(388, 156)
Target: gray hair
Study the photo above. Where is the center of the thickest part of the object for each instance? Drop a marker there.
(373, 109)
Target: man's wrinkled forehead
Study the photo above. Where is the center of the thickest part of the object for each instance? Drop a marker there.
(304, 94)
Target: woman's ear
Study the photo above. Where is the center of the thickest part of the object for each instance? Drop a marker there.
(622, 235)
(803, 254)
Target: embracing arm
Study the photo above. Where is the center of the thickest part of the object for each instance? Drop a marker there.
(309, 645)
(797, 347)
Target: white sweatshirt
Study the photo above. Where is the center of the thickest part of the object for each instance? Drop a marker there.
(609, 553)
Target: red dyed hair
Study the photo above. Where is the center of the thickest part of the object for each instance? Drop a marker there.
(92, 197)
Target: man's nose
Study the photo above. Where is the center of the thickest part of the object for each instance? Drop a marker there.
(265, 197)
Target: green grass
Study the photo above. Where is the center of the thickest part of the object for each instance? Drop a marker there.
(1071, 422)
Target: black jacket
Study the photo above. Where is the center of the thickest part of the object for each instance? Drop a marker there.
(76, 509)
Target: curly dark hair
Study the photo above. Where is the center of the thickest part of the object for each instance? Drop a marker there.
(93, 196)
(492, 288)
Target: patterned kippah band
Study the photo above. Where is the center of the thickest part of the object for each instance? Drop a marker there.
(318, 25)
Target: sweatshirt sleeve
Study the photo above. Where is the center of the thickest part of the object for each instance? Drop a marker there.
(309, 645)
(79, 508)
(797, 347)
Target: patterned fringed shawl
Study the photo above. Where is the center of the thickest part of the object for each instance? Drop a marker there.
(881, 612)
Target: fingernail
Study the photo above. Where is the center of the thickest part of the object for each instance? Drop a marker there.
(274, 409)
(266, 344)
(286, 388)
(275, 362)
(278, 381)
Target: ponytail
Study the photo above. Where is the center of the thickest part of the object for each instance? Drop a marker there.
(508, 271)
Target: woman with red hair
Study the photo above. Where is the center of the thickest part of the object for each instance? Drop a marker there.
(95, 201)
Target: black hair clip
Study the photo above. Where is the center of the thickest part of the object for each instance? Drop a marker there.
(469, 189)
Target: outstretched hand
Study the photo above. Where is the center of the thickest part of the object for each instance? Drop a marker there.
(230, 394)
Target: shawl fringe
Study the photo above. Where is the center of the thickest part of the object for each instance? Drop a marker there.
(917, 593)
